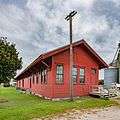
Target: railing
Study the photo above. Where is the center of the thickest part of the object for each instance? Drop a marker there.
(99, 91)
(105, 91)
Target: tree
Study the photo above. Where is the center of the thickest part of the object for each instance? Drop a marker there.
(10, 61)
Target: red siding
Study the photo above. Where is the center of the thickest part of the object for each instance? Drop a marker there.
(82, 58)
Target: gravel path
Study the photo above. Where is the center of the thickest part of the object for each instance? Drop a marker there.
(111, 113)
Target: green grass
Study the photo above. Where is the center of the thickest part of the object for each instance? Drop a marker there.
(18, 106)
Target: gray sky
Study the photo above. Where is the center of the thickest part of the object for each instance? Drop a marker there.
(37, 26)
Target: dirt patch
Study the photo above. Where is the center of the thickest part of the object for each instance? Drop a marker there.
(3, 100)
(110, 113)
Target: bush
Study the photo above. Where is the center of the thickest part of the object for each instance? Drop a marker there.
(6, 84)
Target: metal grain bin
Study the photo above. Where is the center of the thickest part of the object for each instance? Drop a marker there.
(110, 76)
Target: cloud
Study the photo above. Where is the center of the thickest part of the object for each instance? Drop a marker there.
(35, 24)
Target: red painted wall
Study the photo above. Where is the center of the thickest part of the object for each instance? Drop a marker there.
(82, 58)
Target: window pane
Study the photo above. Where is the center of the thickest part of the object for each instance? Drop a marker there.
(74, 74)
(42, 72)
(23, 83)
(59, 78)
(19, 84)
(45, 76)
(33, 79)
(82, 71)
(59, 69)
(82, 80)
(74, 78)
(42, 75)
(37, 79)
(82, 76)
(74, 71)
(93, 71)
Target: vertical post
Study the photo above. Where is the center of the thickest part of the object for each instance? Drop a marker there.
(71, 61)
(70, 30)
(69, 17)
(119, 63)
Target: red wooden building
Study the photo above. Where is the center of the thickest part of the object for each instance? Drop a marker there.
(48, 75)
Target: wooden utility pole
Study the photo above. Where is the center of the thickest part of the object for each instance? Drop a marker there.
(69, 17)
(118, 63)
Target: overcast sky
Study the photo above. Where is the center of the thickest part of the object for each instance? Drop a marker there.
(37, 26)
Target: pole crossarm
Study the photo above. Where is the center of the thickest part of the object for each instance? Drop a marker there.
(119, 45)
(70, 15)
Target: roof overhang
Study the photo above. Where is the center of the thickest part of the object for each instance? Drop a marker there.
(53, 52)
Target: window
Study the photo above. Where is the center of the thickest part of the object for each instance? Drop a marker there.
(43, 75)
(94, 71)
(23, 83)
(19, 84)
(37, 78)
(74, 75)
(30, 82)
(59, 74)
(82, 75)
(40, 76)
(33, 79)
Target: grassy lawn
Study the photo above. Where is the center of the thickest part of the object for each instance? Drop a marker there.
(18, 106)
